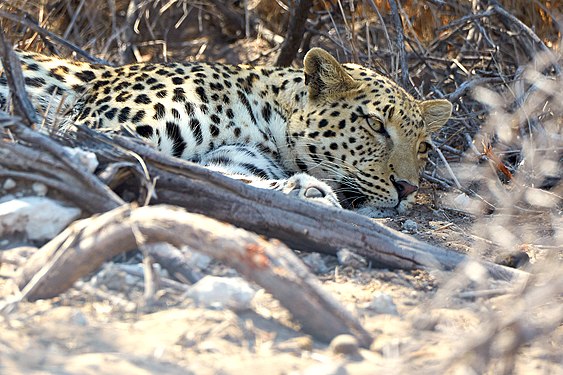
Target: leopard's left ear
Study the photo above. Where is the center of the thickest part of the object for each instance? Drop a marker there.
(435, 113)
(324, 75)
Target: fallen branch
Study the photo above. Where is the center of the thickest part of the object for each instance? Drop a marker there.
(85, 245)
(40, 158)
(301, 225)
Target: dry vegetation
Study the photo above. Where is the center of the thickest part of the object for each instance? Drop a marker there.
(493, 190)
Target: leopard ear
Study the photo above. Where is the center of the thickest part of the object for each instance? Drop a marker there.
(435, 113)
(324, 75)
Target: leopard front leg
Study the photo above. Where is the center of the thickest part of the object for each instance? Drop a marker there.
(252, 166)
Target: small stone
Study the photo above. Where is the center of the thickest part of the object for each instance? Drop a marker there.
(410, 226)
(326, 369)
(345, 344)
(220, 292)
(39, 189)
(79, 318)
(462, 201)
(196, 259)
(39, 218)
(296, 345)
(348, 258)
(86, 159)
(114, 277)
(382, 303)
(316, 263)
(516, 259)
(9, 184)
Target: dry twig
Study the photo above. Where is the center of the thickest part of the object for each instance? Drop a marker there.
(405, 80)
(42, 31)
(13, 71)
(295, 31)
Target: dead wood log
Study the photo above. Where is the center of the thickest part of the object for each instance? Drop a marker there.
(42, 159)
(85, 245)
(299, 224)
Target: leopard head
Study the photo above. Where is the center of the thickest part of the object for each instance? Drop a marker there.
(363, 133)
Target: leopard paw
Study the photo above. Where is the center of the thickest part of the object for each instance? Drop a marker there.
(311, 189)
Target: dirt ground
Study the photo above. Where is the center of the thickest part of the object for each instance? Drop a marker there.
(102, 325)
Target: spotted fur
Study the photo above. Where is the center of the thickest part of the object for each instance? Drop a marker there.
(273, 127)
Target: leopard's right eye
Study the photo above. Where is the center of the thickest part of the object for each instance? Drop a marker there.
(424, 147)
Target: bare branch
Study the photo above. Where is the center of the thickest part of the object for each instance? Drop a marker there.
(405, 80)
(295, 31)
(84, 246)
(42, 31)
(12, 67)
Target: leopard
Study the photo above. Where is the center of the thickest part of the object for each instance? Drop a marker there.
(337, 134)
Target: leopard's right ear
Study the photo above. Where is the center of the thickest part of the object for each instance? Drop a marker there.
(325, 76)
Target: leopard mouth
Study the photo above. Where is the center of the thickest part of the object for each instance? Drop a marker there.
(350, 195)
(353, 197)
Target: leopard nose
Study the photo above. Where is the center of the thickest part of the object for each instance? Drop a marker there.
(404, 188)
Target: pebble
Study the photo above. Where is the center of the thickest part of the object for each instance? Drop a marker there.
(39, 189)
(326, 369)
(296, 345)
(462, 201)
(39, 218)
(410, 226)
(9, 184)
(79, 318)
(348, 258)
(345, 344)
(195, 259)
(86, 159)
(382, 303)
(221, 292)
(112, 277)
(316, 263)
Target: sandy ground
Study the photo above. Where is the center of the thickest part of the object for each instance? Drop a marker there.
(102, 326)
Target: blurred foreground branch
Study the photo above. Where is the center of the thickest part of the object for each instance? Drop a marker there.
(86, 245)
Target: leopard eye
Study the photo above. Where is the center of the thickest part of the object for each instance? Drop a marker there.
(377, 125)
(424, 147)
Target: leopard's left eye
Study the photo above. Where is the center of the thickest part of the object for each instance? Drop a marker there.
(423, 147)
(377, 125)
